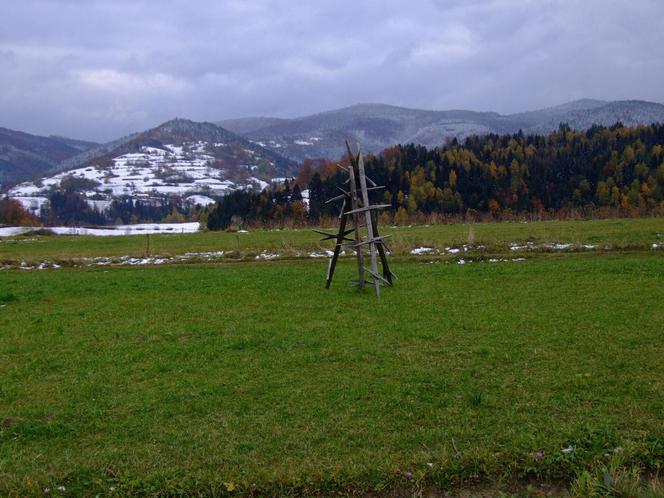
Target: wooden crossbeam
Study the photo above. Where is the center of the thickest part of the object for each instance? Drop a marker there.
(337, 198)
(369, 208)
(377, 278)
(330, 236)
(373, 240)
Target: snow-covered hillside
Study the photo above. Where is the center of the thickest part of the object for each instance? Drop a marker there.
(190, 170)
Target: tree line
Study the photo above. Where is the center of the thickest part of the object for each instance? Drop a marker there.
(603, 168)
(70, 208)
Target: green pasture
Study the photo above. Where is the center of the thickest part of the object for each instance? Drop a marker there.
(252, 379)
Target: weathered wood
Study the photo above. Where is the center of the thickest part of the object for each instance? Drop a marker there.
(356, 224)
(365, 201)
(335, 199)
(323, 232)
(330, 236)
(337, 247)
(356, 202)
(369, 208)
(373, 240)
(377, 278)
(345, 194)
(381, 252)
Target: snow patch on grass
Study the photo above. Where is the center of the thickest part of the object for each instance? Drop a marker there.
(423, 250)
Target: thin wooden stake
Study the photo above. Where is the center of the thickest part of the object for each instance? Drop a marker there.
(337, 247)
(356, 224)
(381, 252)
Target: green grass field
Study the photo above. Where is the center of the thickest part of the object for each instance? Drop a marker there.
(250, 378)
(616, 233)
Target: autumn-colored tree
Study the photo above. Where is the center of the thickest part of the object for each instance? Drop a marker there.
(13, 213)
(401, 218)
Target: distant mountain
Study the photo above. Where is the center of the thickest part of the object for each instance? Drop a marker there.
(235, 151)
(24, 156)
(377, 126)
(532, 119)
(178, 158)
(628, 112)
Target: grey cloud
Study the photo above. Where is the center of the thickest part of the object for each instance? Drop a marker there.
(99, 69)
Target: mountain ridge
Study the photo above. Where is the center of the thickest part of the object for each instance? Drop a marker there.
(377, 126)
(321, 135)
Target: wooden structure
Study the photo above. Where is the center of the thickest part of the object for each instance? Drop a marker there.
(355, 207)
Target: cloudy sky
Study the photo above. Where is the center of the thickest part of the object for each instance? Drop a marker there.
(98, 69)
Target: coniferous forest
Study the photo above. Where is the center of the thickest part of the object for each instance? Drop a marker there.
(615, 169)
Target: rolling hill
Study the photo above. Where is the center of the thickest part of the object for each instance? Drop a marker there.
(178, 158)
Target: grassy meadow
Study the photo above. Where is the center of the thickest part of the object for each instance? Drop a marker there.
(249, 378)
(616, 234)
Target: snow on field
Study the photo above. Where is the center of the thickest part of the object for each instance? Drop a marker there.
(32, 203)
(99, 205)
(260, 183)
(555, 246)
(422, 250)
(559, 247)
(503, 260)
(326, 254)
(282, 179)
(11, 231)
(516, 247)
(267, 255)
(123, 261)
(201, 200)
(141, 229)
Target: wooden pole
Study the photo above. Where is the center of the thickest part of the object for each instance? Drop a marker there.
(337, 248)
(367, 215)
(356, 224)
(387, 274)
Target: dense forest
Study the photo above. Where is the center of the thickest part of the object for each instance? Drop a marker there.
(615, 169)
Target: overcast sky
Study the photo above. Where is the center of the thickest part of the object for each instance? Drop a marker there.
(97, 69)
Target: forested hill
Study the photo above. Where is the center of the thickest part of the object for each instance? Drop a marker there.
(498, 174)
